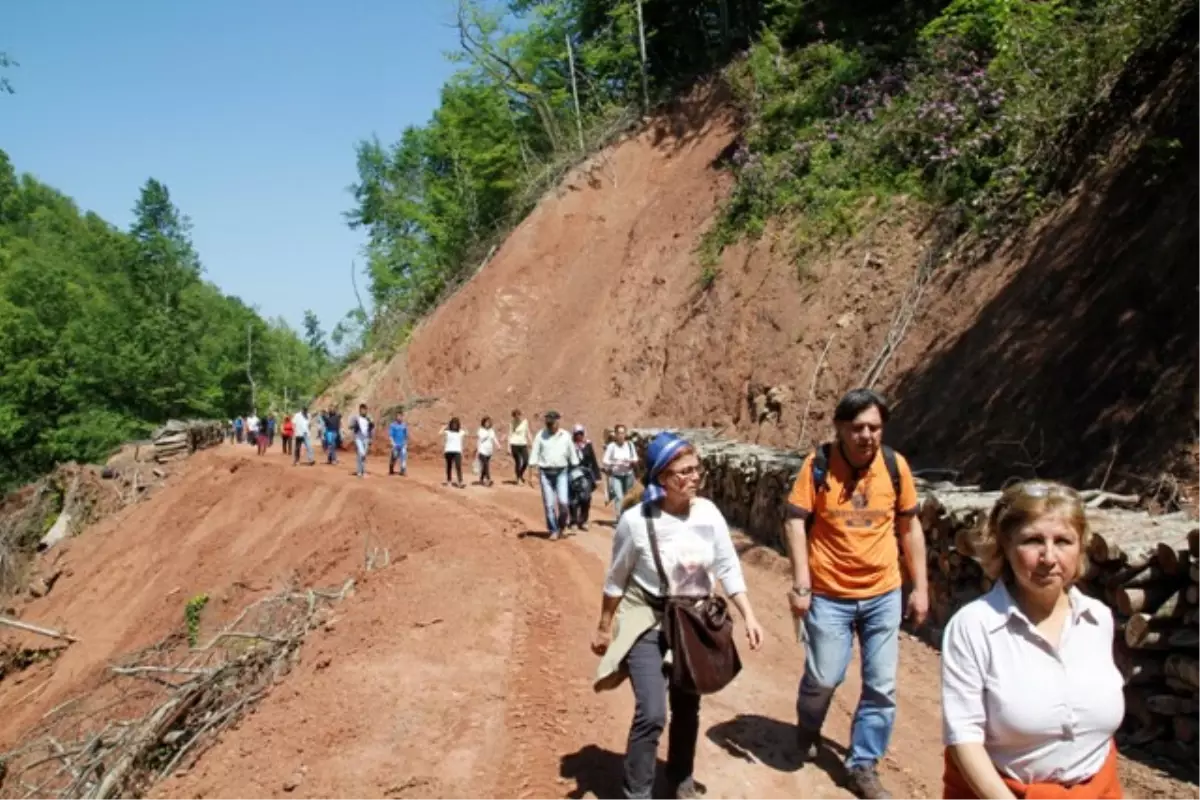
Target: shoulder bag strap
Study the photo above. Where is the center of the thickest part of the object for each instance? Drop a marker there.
(665, 587)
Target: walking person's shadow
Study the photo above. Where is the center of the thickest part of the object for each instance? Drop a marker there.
(752, 737)
(599, 773)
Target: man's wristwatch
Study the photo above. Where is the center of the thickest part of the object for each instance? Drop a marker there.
(802, 591)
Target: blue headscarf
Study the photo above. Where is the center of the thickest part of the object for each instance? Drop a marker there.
(661, 451)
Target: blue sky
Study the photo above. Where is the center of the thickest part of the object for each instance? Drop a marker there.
(248, 110)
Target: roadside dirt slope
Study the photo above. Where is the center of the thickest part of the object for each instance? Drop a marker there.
(594, 305)
(1070, 351)
(460, 669)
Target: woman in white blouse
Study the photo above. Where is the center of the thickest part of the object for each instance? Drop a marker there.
(1031, 695)
(485, 446)
(695, 548)
(452, 448)
(619, 459)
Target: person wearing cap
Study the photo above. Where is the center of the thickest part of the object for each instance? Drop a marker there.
(583, 478)
(696, 551)
(553, 455)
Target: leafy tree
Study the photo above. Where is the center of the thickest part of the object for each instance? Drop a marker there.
(105, 334)
(314, 337)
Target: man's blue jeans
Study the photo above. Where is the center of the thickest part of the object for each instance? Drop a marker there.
(399, 453)
(360, 449)
(830, 627)
(556, 498)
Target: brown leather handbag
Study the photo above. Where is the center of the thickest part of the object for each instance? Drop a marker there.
(699, 632)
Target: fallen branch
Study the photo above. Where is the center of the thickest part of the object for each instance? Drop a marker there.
(25, 626)
(1096, 498)
(115, 740)
(142, 670)
(812, 389)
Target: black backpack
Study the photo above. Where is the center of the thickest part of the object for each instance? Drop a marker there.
(820, 469)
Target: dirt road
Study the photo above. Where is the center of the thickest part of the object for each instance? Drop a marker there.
(461, 668)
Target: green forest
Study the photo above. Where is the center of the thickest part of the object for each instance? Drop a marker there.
(106, 333)
(968, 107)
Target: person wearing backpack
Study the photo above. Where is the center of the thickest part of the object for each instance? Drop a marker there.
(851, 512)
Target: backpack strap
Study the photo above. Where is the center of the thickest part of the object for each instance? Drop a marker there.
(820, 480)
(893, 468)
(820, 467)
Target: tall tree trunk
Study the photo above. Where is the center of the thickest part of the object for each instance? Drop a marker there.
(575, 92)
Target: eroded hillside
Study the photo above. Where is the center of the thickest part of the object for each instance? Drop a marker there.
(1070, 351)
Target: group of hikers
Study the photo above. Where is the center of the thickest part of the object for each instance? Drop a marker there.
(296, 432)
(566, 463)
(1031, 695)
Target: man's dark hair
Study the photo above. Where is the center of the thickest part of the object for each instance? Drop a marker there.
(857, 401)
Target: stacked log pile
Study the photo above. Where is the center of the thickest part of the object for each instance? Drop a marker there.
(177, 439)
(749, 483)
(1143, 567)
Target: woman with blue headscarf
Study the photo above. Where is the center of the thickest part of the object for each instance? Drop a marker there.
(696, 550)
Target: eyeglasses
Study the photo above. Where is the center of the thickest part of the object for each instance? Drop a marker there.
(689, 472)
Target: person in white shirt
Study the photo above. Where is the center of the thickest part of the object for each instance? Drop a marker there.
(553, 455)
(1030, 692)
(452, 448)
(619, 459)
(518, 444)
(485, 447)
(363, 428)
(252, 428)
(695, 549)
(300, 436)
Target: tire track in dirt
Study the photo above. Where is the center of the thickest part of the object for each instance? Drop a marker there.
(551, 706)
(537, 710)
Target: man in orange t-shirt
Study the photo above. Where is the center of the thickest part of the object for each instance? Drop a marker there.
(844, 531)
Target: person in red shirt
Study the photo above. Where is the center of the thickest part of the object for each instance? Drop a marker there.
(286, 432)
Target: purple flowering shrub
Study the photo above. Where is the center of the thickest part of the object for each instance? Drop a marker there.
(971, 120)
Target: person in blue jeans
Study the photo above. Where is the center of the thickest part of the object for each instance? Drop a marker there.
(398, 433)
(853, 505)
(553, 455)
(333, 434)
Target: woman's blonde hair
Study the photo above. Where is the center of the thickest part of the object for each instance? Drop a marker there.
(1021, 505)
(634, 497)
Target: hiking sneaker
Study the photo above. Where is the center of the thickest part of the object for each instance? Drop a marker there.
(808, 743)
(690, 789)
(864, 782)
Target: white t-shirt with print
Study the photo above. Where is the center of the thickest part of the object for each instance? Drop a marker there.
(696, 551)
